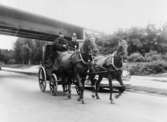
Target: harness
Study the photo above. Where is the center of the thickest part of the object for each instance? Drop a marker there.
(112, 62)
(84, 62)
(80, 56)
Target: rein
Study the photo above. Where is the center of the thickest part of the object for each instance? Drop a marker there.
(80, 55)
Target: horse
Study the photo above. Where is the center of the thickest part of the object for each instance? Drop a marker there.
(109, 67)
(73, 65)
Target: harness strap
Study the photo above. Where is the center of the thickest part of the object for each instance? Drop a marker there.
(81, 57)
(112, 62)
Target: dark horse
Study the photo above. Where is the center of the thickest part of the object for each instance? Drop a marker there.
(109, 67)
(74, 65)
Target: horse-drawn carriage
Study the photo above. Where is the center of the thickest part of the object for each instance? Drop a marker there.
(76, 65)
(47, 73)
(71, 65)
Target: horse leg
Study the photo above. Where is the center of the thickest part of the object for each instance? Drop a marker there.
(122, 89)
(98, 86)
(93, 82)
(111, 89)
(69, 89)
(82, 90)
(64, 85)
(79, 86)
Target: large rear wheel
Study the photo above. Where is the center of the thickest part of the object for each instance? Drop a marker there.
(42, 79)
(53, 84)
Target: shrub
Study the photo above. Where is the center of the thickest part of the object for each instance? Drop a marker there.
(146, 68)
(136, 57)
(11, 61)
(164, 57)
(153, 56)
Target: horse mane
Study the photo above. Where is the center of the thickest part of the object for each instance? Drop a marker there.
(121, 50)
(87, 46)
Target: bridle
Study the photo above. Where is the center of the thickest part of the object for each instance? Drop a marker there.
(112, 61)
(82, 59)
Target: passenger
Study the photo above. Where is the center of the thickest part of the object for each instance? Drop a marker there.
(93, 40)
(61, 44)
(73, 43)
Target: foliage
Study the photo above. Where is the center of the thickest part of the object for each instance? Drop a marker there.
(146, 68)
(164, 57)
(142, 40)
(6, 55)
(136, 57)
(28, 51)
(153, 56)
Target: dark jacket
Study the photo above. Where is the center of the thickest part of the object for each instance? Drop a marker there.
(60, 44)
(73, 45)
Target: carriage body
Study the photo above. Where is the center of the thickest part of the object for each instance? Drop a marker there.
(47, 74)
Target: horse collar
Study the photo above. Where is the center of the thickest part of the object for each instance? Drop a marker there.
(80, 55)
(112, 62)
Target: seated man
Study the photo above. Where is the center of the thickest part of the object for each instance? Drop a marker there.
(60, 44)
(73, 44)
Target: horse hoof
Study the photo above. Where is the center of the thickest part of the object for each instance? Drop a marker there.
(69, 96)
(83, 102)
(117, 96)
(78, 99)
(64, 94)
(97, 97)
(112, 102)
(93, 96)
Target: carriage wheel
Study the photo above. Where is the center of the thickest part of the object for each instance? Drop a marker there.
(42, 79)
(53, 85)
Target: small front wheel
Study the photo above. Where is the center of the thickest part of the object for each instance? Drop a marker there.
(42, 79)
(53, 84)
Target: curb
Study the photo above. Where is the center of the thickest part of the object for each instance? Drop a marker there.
(129, 87)
(22, 72)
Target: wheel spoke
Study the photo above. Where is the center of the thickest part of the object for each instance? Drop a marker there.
(42, 82)
(53, 85)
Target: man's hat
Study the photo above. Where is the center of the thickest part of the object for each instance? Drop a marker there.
(74, 34)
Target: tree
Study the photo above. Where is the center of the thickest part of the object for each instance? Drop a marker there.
(28, 51)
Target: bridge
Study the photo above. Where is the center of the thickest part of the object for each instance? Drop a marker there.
(22, 24)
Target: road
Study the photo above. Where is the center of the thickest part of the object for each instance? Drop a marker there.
(22, 101)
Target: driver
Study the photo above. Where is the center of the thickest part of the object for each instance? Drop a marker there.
(59, 44)
(74, 43)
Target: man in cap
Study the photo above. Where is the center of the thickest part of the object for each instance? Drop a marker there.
(73, 43)
(61, 44)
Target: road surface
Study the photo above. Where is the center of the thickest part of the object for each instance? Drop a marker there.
(22, 101)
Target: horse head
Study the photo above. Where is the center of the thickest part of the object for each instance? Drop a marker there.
(116, 59)
(120, 54)
(88, 50)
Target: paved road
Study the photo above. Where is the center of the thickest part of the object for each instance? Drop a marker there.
(22, 101)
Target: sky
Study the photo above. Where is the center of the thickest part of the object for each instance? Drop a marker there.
(102, 15)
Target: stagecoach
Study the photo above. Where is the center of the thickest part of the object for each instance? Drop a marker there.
(43, 75)
(51, 77)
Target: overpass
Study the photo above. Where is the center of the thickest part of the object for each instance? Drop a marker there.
(22, 24)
